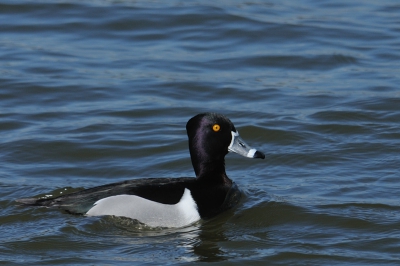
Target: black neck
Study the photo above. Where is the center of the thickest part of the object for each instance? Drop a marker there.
(210, 171)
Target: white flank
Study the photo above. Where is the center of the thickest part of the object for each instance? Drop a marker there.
(149, 212)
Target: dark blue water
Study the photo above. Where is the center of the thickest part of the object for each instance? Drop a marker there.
(95, 92)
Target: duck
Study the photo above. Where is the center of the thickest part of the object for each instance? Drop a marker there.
(169, 202)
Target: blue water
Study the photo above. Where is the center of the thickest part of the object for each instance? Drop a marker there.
(95, 92)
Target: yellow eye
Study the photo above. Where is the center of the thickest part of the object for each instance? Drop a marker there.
(216, 127)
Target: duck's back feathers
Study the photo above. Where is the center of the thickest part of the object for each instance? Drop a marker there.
(161, 190)
(210, 200)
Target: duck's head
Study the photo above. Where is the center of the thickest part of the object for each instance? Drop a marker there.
(211, 137)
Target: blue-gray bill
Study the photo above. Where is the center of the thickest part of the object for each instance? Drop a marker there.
(240, 147)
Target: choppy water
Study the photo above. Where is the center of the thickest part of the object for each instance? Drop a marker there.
(95, 92)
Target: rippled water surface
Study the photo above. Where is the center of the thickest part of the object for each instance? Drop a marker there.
(95, 92)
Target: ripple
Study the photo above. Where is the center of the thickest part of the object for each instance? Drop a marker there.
(98, 92)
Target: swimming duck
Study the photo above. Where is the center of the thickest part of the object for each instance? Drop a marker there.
(170, 202)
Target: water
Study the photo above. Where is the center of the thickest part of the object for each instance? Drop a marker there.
(95, 92)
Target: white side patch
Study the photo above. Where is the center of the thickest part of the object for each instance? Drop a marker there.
(149, 212)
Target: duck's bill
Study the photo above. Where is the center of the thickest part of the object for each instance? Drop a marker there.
(240, 147)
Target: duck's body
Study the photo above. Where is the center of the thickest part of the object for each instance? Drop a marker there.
(170, 202)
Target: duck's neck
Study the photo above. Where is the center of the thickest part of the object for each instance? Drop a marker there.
(211, 171)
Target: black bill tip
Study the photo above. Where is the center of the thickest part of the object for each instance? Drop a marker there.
(259, 154)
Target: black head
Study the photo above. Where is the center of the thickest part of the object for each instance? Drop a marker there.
(211, 137)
